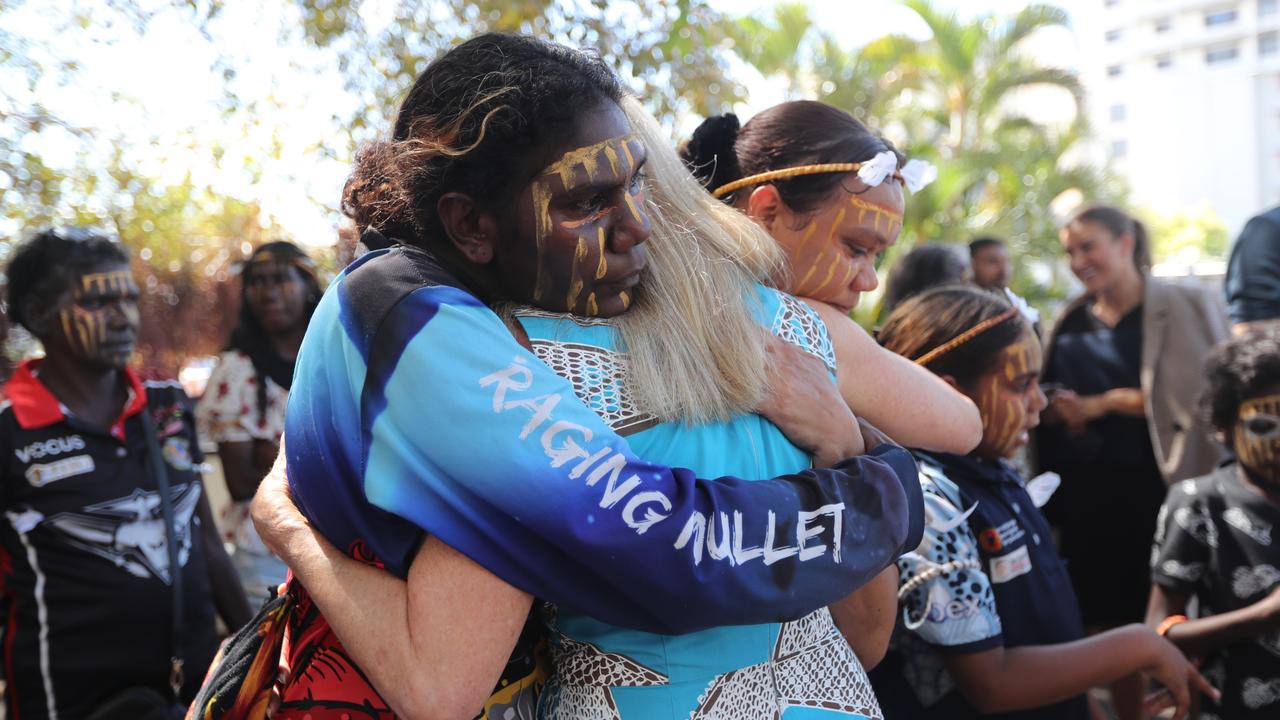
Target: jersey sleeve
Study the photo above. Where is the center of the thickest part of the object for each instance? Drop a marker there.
(1185, 534)
(224, 409)
(474, 440)
(945, 594)
(1253, 274)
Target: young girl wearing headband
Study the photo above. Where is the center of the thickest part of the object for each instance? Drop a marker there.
(989, 620)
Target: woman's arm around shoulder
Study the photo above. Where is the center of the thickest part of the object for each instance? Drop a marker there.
(915, 407)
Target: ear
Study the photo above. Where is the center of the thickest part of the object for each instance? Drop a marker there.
(764, 206)
(1126, 243)
(472, 231)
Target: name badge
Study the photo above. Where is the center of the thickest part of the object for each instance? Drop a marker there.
(1008, 567)
(41, 475)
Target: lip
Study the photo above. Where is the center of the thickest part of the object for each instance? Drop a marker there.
(621, 284)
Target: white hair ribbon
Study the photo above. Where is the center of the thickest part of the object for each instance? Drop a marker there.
(874, 171)
(918, 173)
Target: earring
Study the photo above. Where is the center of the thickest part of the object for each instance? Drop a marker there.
(483, 254)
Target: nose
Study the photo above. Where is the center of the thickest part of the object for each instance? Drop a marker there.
(633, 226)
(866, 279)
(1039, 401)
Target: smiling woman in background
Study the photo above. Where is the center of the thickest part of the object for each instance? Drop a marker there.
(1127, 359)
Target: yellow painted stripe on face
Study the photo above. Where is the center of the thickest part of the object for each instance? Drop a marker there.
(602, 267)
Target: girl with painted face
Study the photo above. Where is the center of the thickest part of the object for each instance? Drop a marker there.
(243, 408)
(989, 623)
(1215, 538)
(517, 164)
(830, 193)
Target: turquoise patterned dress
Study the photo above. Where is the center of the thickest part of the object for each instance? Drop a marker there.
(794, 670)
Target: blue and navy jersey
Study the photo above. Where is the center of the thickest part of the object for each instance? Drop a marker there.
(986, 575)
(415, 410)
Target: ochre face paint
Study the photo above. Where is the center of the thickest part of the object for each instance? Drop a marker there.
(580, 202)
(1256, 437)
(99, 316)
(833, 254)
(1009, 398)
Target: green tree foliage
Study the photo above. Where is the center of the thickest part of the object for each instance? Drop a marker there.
(1189, 236)
(955, 99)
(673, 52)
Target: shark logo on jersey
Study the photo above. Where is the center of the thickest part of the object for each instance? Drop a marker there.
(129, 531)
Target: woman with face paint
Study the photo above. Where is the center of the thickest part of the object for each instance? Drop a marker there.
(831, 194)
(243, 409)
(90, 584)
(1214, 539)
(643, 294)
(989, 621)
(1126, 359)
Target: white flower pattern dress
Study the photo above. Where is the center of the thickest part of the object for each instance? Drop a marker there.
(228, 412)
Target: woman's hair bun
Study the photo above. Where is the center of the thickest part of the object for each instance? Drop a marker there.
(710, 154)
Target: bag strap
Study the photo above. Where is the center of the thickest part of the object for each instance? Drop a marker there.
(156, 462)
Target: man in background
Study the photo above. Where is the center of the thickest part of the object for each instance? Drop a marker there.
(989, 263)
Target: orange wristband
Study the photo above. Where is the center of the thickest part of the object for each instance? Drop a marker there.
(1169, 622)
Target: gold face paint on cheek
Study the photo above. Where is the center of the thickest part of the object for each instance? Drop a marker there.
(575, 276)
(602, 267)
(822, 257)
(85, 329)
(1004, 414)
(542, 229)
(1258, 452)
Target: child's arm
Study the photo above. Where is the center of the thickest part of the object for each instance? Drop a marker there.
(1204, 635)
(1006, 679)
(912, 405)
(866, 617)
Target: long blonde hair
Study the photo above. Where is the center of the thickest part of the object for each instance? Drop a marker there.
(696, 351)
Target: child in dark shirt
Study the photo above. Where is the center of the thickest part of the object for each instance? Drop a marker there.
(990, 622)
(1214, 539)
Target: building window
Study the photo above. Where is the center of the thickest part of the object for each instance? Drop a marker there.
(1113, 36)
(1119, 148)
(1268, 7)
(1220, 55)
(1117, 112)
(1163, 25)
(1115, 70)
(1219, 17)
(1268, 43)
(1164, 62)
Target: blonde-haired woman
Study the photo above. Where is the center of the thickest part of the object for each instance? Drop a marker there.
(563, 251)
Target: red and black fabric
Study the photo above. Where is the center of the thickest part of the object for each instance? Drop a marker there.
(84, 567)
(243, 674)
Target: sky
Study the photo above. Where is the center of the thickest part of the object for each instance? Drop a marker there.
(158, 96)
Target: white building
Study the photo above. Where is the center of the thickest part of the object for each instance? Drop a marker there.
(1184, 96)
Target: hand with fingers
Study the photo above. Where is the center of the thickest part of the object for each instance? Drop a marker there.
(807, 406)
